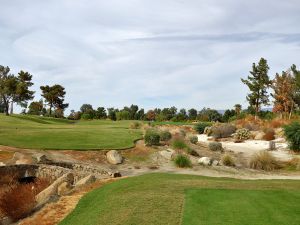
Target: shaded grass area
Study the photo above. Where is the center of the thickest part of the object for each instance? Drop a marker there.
(159, 199)
(49, 133)
(241, 207)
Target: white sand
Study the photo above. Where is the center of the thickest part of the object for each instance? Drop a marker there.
(252, 146)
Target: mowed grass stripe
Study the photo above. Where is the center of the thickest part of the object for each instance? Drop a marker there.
(19, 131)
(241, 207)
(155, 199)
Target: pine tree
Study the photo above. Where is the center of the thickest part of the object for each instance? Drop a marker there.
(258, 83)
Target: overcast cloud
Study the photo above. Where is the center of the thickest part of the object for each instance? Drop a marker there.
(154, 53)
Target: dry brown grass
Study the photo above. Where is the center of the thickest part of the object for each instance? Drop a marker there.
(227, 160)
(264, 161)
(269, 134)
(18, 200)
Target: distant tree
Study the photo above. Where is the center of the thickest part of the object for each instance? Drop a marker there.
(181, 116)
(86, 108)
(140, 115)
(207, 114)
(284, 88)
(100, 113)
(258, 83)
(74, 115)
(14, 88)
(150, 115)
(228, 114)
(123, 115)
(22, 94)
(192, 113)
(132, 111)
(111, 113)
(54, 96)
(238, 109)
(36, 108)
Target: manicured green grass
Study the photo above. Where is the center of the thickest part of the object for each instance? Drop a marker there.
(50, 133)
(241, 207)
(159, 199)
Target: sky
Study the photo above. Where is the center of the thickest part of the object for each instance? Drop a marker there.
(153, 53)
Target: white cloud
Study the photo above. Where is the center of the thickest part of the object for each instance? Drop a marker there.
(149, 52)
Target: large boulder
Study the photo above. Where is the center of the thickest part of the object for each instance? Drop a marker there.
(52, 191)
(206, 161)
(259, 135)
(167, 154)
(114, 157)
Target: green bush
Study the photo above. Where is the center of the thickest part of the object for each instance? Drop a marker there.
(199, 127)
(182, 133)
(193, 139)
(179, 144)
(165, 135)
(242, 134)
(215, 146)
(152, 138)
(191, 151)
(292, 134)
(223, 130)
(182, 161)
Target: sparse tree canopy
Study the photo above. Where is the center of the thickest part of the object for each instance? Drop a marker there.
(14, 89)
(54, 96)
(284, 90)
(258, 83)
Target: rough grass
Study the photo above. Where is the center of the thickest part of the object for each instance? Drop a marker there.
(241, 207)
(158, 199)
(263, 160)
(50, 133)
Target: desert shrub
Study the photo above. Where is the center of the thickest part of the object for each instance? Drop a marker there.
(276, 123)
(193, 139)
(179, 144)
(208, 131)
(199, 127)
(151, 137)
(223, 130)
(182, 161)
(227, 160)
(165, 135)
(269, 134)
(242, 134)
(19, 199)
(215, 146)
(292, 134)
(135, 125)
(263, 160)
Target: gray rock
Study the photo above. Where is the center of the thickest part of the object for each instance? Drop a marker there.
(167, 154)
(51, 191)
(114, 157)
(42, 158)
(215, 163)
(206, 161)
(86, 180)
(272, 145)
(259, 136)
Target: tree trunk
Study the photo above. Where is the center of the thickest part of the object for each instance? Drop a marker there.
(11, 107)
(6, 106)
